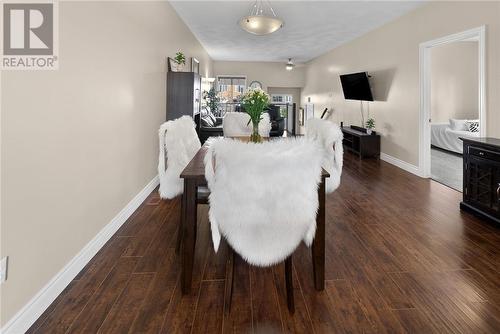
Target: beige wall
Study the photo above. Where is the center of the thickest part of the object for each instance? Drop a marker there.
(79, 143)
(454, 81)
(391, 55)
(270, 74)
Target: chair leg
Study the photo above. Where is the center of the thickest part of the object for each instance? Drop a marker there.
(289, 284)
(230, 264)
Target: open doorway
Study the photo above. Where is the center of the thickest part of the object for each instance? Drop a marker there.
(452, 78)
(287, 99)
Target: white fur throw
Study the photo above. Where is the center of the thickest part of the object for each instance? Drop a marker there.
(329, 135)
(263, 197)
(234, 124)
(179, 140)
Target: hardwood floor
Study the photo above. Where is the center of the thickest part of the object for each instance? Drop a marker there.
(400, 257)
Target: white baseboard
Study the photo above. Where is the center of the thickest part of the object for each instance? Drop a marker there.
(401, 164)
(23, 319)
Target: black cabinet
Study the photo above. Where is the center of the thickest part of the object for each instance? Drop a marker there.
(481, 187)
(365, 145)
(183, 94)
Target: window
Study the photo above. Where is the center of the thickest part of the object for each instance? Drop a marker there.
(231, 88)
(281, 98)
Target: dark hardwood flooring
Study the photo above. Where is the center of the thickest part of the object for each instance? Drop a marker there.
(401, 257)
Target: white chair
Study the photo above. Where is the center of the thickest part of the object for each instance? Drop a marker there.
(235, 124)
(178, 145)
(263, 200)
(329, 135)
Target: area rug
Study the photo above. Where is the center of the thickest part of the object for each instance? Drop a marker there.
(446, 168)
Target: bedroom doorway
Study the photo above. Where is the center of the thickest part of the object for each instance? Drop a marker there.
(452, 102)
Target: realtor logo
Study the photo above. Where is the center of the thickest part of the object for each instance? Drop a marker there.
(29, 36)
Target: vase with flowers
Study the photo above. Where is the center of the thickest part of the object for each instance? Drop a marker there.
(254, 101)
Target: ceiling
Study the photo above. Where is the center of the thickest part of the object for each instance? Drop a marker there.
(311, 27)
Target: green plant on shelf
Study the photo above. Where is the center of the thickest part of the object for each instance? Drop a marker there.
(370, 124)
(180, 58)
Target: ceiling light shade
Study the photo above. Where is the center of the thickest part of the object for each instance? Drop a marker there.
(262, 19)
(290, 65)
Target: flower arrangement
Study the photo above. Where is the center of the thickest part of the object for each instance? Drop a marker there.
(254, 101)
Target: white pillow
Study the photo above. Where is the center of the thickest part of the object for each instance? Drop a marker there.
(458, 124)
(473, 126)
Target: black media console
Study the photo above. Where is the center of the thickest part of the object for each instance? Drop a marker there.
(360, 143)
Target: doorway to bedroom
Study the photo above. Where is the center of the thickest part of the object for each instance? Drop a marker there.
(453, 99)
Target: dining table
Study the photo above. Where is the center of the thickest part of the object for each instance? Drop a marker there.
(194, 177)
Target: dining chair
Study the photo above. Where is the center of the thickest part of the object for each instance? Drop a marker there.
(329, 136)
(235, 124)
(263, 201)
(178, 145)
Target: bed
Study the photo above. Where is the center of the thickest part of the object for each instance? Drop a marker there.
(442, 136)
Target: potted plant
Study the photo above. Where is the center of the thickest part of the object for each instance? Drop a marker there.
(212, 100)
(370, 125)
(180, 61)
(254, 101)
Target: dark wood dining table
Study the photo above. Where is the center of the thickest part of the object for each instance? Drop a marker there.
(194, 177)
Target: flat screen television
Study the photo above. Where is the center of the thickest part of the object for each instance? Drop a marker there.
(356, 86)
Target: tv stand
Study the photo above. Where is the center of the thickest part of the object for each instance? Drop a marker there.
(357, 141)
(358, 128)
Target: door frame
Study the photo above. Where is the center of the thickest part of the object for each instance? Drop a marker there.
(478, 34)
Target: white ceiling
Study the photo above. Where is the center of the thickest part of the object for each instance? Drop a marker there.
(311, 27)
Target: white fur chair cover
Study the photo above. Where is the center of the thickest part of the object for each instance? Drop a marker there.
(178, 139)
(264, 197)
(234, 124)
(329, 135)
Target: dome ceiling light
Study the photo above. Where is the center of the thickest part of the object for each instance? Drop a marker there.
(290, 65)
(262, 19)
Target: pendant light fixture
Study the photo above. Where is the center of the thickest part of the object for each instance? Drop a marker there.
(262, 19)
(290, 65)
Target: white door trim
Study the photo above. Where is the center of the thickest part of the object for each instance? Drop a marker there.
(478, 33)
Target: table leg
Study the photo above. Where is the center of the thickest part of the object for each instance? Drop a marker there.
(189, 233)
(180, 229)
(318, 246)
